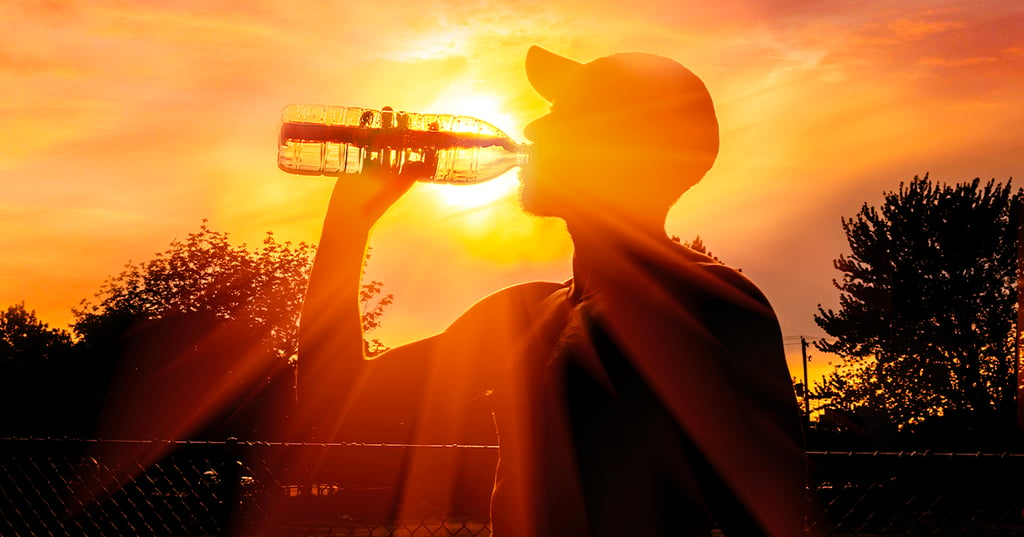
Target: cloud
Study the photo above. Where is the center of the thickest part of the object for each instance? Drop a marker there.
(956, 62)
(925, 24)
(119, 108)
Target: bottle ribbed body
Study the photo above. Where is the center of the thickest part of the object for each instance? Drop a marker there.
(338, 140)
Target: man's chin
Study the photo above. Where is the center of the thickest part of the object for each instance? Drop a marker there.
(532, 204)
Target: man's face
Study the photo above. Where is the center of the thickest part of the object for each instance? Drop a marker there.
(627, 134)
(569, 164)
(539, 176)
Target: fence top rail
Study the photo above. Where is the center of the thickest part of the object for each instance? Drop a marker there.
(350, 444)
(916, 454)
(236, 442)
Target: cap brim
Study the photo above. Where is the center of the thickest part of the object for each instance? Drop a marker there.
(548, 72)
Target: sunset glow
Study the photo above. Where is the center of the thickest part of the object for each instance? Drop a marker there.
(651, 393)
(124, 124)
(475, 196)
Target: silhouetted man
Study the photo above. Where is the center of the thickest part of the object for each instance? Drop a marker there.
(646, 396)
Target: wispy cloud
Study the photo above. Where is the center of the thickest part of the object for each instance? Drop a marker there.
(112, 109)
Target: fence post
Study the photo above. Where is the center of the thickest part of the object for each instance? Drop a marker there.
(230, 481)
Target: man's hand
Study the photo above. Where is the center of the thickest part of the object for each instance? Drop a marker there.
(365, 197)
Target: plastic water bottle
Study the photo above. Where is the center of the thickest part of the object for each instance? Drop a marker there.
(337, 140)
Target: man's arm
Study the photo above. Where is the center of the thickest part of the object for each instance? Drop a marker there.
(331, 358)
(430, 380)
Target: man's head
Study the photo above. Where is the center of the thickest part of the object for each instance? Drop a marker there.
(632, 130)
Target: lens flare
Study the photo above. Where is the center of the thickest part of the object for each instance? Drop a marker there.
(460, 197)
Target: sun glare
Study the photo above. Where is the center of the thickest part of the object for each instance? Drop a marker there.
(489, 108)
(462, 197)
(481, 106)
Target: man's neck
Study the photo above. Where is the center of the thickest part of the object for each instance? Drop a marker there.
(605, 250)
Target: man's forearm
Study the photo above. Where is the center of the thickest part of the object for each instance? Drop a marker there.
(330, 345)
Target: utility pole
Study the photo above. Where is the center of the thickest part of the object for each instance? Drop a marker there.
(807, 387)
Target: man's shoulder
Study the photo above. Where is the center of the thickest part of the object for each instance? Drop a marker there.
(529, 290)
(713, 278)
(513, 302)
(524, 294)
(731, 276)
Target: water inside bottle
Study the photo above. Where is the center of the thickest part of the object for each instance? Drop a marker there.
(326, 140)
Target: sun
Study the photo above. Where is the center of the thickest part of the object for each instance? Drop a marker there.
(464, 197)
(489, 108)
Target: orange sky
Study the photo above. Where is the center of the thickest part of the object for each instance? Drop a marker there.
(123, 124)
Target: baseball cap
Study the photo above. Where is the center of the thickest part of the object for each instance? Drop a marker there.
(634, 98)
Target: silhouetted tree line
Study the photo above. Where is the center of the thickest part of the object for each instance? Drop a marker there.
(198, 342)
(926, 323)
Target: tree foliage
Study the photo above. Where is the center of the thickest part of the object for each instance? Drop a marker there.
(207, 274)
(197, 341)
(33, 362)
(697, 245)
(26, 340)
(926, 318)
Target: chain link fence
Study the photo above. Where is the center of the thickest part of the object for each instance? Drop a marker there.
(915, 493)
(94, 487)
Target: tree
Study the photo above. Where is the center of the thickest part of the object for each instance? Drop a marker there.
(206, 273)
(32, 359)
(201, 336)
(26, 340)
(697, 245)
(926, 318)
